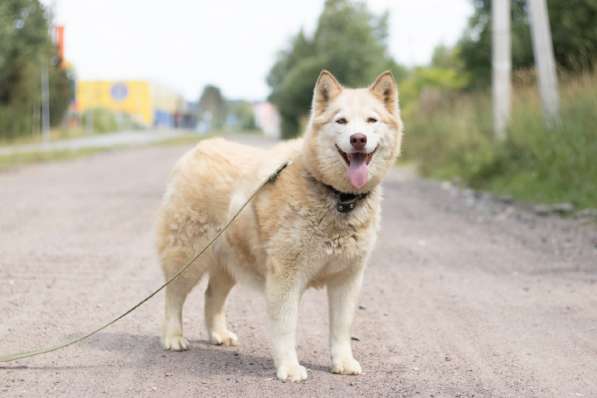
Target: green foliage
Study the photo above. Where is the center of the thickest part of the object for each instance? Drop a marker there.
(241, 116)
(550, 165)
(106, 121)
(446, 57)
(450, 132)
(11, 161)
(456, 142)
(25, 47)
(212, 107)
(442, 80)
(427, 86)
(349, 41)
(61, 83)
(102, 120)
(574, 34)
(452, 141)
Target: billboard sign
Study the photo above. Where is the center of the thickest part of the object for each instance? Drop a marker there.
(119, 91)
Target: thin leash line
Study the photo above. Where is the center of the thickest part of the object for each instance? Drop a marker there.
(28, 354)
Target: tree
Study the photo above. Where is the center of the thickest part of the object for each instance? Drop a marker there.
(240, 115)
(25, 46)
(349, 40)
(574, 34)
(212, 107)
(475, 45)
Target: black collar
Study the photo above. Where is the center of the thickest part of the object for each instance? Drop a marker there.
(345, 201)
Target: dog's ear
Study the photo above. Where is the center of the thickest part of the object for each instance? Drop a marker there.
(326, 89)
(385, 88)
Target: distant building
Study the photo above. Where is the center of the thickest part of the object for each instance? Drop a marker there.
(147, 103)
(267, 118)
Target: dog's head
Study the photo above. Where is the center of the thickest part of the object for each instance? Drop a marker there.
(354, 135)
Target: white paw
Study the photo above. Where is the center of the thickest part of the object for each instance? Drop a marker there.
(175, 343)
(292, 372)
(226, 338)
(346, 366)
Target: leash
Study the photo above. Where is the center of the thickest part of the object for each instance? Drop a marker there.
(28, 354)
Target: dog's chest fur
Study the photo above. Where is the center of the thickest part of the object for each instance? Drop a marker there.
(294, 227)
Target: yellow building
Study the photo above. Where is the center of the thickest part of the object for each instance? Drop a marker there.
(147, 103)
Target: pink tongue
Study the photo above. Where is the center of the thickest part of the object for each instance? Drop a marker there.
(358, 171)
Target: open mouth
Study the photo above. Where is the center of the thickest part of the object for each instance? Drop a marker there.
(358, 166)
(356, 156)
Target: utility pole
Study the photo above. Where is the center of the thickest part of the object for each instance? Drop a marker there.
(45, 102)
(544, 60)
(501, 66)
(45, 84)
(89, 119)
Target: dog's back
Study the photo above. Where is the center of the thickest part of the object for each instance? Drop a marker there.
(199, 190)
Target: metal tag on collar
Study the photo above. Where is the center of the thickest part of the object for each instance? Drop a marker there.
(344, 207)
(346, 202)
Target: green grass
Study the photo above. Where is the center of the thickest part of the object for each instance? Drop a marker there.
(55, 134)
(534, 163)
(22, 159)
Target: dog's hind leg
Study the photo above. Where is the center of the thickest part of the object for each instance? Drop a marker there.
(220, 284)
(176, 294)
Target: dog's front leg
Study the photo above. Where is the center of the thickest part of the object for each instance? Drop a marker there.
(283, 294)
(343, 293)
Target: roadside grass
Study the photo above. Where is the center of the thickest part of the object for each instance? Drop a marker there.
(534, 163)
(11, 161)
(55, 134)
(21, 159)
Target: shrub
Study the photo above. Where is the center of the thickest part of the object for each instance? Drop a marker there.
(534, 163)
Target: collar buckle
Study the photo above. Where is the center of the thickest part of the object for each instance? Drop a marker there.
(346, 202)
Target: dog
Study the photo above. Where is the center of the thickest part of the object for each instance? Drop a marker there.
(314, 226)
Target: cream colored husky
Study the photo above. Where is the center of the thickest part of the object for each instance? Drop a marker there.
(314, 226)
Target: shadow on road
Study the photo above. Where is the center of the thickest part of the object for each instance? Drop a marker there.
(145, 352)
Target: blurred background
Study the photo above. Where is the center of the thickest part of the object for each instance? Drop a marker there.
(131, 71)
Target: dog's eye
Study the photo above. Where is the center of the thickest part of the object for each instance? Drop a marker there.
(342, 120)
(371, 120)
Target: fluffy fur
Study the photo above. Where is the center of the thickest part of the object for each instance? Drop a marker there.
(291, 237)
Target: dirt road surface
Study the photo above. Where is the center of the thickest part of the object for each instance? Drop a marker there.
(463, 297)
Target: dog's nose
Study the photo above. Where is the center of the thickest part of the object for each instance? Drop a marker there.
(358, 141)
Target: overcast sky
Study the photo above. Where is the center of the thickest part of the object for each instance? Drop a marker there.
(186, 44)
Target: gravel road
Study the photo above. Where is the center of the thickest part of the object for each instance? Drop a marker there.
(463, 297)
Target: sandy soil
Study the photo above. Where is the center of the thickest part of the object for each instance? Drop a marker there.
(464, 296)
